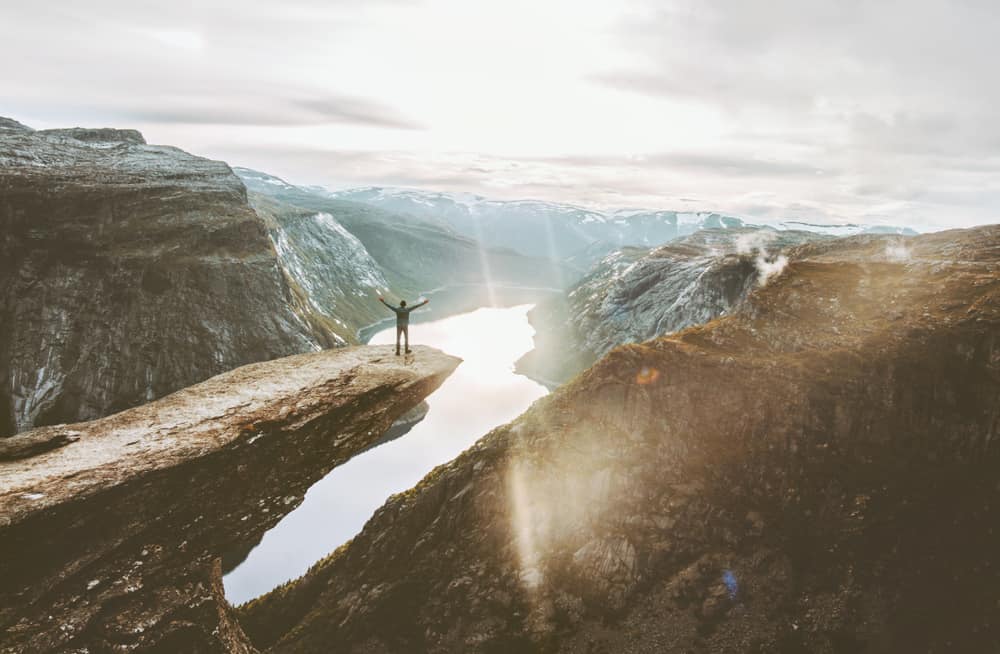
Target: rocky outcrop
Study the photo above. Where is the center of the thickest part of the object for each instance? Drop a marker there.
(815, 472)
(127, 271)
(116, 539)
(635, 294)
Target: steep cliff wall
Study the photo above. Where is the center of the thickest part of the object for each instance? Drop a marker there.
(335, 281)
(127, 271)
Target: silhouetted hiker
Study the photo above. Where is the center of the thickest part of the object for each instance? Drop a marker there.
(403, 320)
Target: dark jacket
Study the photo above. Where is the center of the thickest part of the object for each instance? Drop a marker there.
(403, 313)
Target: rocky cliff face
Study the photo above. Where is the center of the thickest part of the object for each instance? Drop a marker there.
(115, 540)
(335, 281)
(635, 294)
(815, 472)
(127, 271)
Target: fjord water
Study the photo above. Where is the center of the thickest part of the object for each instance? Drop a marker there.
(482, 393)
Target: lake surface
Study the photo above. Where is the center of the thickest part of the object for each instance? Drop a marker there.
(482, 393)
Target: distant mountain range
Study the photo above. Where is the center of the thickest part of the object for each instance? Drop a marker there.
(560, 231)
(415, 253)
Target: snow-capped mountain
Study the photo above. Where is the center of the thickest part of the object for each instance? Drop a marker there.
(567, 232)
(411, 252)
(533, 227)
(846, 229)
(553, 230)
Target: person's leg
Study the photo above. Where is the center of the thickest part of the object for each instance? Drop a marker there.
(406, 338)
(399, 330)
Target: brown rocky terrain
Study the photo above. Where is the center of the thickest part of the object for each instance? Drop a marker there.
(128, 271)
(816, 472)
(113, 539)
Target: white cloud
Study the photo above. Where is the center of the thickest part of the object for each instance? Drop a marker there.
(805, 109)
(184, 39)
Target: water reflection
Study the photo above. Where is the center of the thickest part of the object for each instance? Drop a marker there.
(482, 393)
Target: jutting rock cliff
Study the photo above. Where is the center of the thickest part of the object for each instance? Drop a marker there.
(114, 540)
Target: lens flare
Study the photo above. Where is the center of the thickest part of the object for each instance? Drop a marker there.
(729, 579)
(553, 251)
(523, 520)
(484, 264)
(647, 375)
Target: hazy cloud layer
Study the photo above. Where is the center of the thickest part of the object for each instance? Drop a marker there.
(801, 109)
(262, 110)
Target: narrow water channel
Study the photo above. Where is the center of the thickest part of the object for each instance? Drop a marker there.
(482, 393)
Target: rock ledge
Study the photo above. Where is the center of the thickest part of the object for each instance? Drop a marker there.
(124, 523)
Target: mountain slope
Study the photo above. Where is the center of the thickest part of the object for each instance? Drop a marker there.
(334, 279)
(636, 294)
(127, 271)
(416, 253)
(813, 473)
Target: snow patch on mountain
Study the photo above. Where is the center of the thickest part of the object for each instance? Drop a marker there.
(556, 230)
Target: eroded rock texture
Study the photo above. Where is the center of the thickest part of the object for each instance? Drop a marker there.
(634, 294)
(813, 473)
(113, 542)
(127, 271)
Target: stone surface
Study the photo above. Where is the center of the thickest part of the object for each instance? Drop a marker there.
(116, 541)
(635, 294)
(127, 271)
(815, 472)
(336, 283)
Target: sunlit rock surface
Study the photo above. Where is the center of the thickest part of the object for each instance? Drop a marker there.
(634, 294)
(127, 271)
(115, 538)
(815, 472)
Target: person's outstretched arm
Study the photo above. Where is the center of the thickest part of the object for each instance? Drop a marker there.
(422, 303)
(382, 300)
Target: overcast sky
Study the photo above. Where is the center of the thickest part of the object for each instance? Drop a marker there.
(880, 111)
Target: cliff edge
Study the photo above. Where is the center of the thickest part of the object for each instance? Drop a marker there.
(112, 540)
(128, 271)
